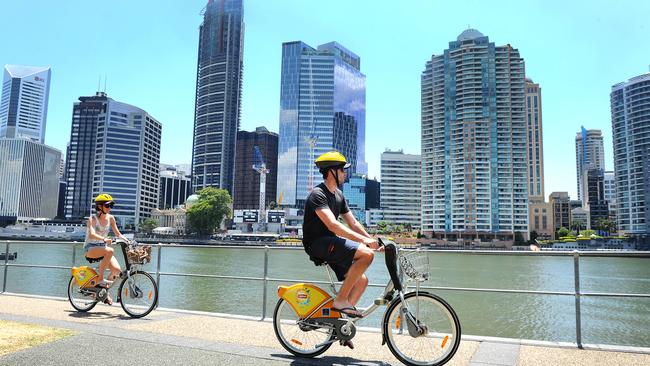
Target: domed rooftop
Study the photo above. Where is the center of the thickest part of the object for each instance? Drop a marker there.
(191, 200)
(468, 34)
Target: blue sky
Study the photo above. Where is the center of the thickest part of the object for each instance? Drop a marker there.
(576, 50)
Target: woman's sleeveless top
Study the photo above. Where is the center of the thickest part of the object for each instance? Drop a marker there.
(101, 230)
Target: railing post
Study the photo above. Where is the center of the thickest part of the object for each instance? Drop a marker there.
(4, 278)
(74, 252)
(576, 276)
(266, 279)
(158, 266)
(158, 273)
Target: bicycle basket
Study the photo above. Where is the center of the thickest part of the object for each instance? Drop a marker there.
(415, 264)
(138, 254)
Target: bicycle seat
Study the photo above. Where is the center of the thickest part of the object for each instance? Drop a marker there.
(93, 260)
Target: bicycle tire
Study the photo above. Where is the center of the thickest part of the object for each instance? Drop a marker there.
(152, 293)
(454, 325)
(285, 343)
(74, 287)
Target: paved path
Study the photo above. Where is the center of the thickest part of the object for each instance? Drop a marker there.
(107, 336)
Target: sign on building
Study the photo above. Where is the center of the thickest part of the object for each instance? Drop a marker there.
(275, 217)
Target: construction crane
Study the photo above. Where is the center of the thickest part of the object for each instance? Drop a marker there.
(260, 166)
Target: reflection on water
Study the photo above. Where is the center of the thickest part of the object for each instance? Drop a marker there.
(622, 321)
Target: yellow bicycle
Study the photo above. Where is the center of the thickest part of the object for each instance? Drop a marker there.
(137, 293)
(419, 328)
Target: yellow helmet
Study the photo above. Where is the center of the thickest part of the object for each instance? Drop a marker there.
(332, 159)
(103, 197)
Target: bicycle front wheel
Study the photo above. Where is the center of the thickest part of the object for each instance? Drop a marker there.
(80, 301)
(440, 341)
(303, 338)
(138, 294)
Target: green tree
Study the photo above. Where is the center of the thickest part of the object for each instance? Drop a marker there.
(562, 232)
(210, 210)
(577, 225)
(587, 233)
(519, 239)
(533, 236)
(606, 225)
(147, 225)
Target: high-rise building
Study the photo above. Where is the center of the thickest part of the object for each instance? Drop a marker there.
(23, 108)
(80, 155)
(322, 108)
(560, 204)
(401, 175)
(373, 194)
(218, 94)
(114, 148)
(246, 193)
(29, 187)
(535, 145)
(630, 130)
(609, 182)
(594, 201)
(175, 187)
(590, 154)
(474, 161)
(354, 190)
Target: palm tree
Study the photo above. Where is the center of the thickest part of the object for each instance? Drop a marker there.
(576, 226)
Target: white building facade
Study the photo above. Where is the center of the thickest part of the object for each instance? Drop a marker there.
(23, 108)
(400, 188)
(29, 187)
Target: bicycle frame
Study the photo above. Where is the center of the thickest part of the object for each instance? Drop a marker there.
(395, 283)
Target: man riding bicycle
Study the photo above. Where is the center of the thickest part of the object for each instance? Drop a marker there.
(327, 240)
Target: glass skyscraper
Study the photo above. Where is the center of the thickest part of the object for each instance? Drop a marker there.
(114, 148)
(218, 94)
(23, 108)
(630, 101)
(474, 161)
(354, 191)
(590, 154)
(322, 108)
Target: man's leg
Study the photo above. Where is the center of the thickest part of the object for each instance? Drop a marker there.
(362, 259)
(358, 290)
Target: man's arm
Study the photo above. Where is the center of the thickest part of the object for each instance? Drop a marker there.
(354, 224)
(327, 217)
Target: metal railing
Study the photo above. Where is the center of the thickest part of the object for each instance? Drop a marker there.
(265, 279)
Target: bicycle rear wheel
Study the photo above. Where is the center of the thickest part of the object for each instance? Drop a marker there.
(299, 337)
(438, 345)
(78, 300)
(138, 294)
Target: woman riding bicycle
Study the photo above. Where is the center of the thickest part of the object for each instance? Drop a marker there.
(97, 240)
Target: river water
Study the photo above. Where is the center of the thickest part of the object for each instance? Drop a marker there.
(616, 321)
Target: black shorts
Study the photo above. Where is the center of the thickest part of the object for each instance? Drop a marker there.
(337, 252)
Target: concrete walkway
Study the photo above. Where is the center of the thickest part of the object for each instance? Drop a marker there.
(167, 337)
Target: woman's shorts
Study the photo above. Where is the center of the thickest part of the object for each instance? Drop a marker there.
(337, 252)
(89, 246)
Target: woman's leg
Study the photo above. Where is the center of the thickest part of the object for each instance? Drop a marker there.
(98, 252)
(114, 267)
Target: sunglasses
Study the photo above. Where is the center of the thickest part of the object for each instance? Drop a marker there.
(109, 205)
